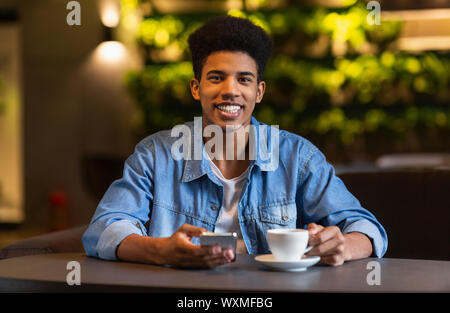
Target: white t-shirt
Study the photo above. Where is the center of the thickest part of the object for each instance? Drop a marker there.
(228, 216)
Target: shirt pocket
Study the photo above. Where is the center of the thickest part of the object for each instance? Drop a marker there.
(178, 215)
(278, 215)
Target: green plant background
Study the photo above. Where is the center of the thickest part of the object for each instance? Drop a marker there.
(332, 78)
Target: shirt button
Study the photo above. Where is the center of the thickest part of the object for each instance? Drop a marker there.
(285, 218)
(214, 207)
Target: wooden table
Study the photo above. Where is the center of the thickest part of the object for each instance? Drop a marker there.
(48, 272)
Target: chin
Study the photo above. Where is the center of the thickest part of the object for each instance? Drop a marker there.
(231, 128)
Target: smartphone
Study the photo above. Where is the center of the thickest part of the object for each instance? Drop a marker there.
(225, 240)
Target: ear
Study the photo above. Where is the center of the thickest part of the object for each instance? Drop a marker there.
(260, 91)
(195, 86)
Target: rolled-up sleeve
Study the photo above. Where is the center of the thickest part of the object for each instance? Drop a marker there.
(368, 228)
(125, 207)
(325, 200)
(112, 236)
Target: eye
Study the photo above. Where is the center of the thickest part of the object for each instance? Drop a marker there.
(245, 80)
(214, 78)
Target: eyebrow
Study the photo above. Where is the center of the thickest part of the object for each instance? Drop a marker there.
(223, 73)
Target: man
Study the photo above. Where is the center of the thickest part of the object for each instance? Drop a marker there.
(248, 193)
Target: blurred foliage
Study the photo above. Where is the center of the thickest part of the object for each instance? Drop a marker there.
(331, 73)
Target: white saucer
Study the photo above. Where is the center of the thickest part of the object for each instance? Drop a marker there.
(292, 266)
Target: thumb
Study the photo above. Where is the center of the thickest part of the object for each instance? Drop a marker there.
(191, 230)
(313, 228)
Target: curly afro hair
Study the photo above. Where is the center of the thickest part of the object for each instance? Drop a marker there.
(228, 33)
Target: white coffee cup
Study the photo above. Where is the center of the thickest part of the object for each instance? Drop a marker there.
(288, 244)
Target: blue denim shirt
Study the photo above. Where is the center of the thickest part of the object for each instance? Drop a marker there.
(296, 189)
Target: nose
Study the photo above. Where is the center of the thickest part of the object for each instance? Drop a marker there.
(229, 89)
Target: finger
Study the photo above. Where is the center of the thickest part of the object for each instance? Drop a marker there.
(182, 245)
(230, 255)
(192, 230)
(203, 258)
(208, 250)
(227, 253)
(201, 251)
(216, 252)
(324, 235)
(333, 260)
(216, 260)
(330, 247)
(313, 228)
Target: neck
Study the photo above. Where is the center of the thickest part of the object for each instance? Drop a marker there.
(233, 158)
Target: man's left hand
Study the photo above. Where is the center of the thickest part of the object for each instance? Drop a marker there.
(333, 247)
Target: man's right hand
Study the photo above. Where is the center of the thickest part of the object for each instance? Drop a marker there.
(176, 250)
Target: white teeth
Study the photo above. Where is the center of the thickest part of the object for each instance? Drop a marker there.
(229, 108)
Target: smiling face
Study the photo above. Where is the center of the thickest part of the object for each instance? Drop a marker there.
(228, 89)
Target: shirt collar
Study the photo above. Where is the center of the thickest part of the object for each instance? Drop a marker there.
(195, 168)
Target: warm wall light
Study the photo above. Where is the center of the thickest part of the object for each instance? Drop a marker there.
(111, 51)
(110, 13)
(110, 17)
